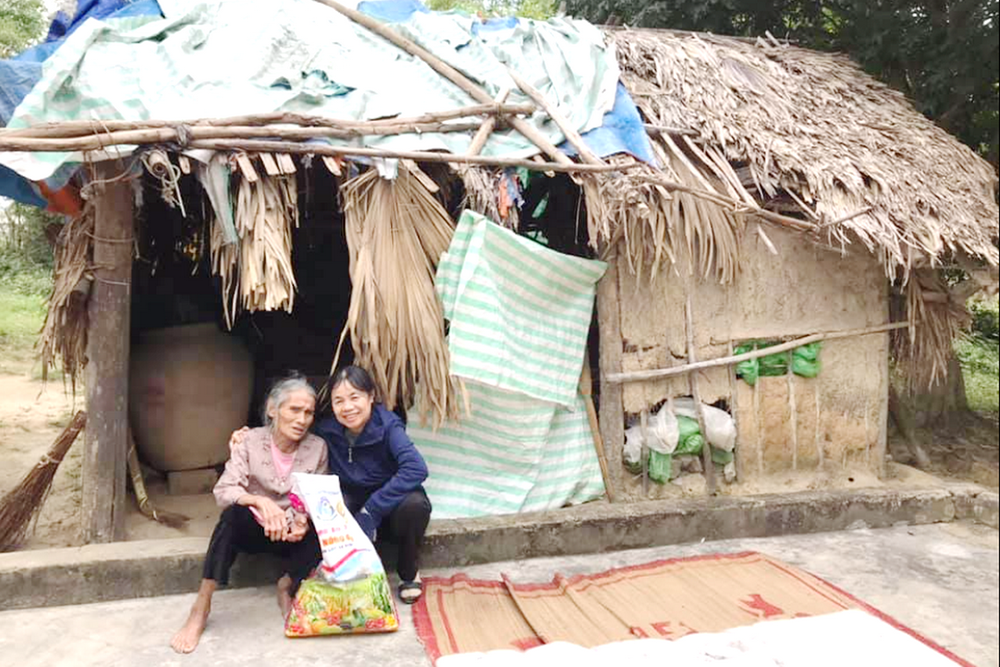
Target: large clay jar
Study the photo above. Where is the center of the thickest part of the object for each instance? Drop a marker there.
(189, 389)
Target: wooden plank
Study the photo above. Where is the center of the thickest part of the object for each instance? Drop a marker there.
(106, 445)
(270, 166)
(246, 166)
(612, 411)
(286, 163)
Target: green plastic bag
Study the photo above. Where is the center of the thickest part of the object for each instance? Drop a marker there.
(749, 370)
(690, 440)
(774, 365)
(660, 466)
(805, 360)
(721, 456)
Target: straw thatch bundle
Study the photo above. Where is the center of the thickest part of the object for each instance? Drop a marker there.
(482, 192)
(396, 233)
(64, 334)
(812, 124)
(922, 351)
(655, 225)
(257, 272)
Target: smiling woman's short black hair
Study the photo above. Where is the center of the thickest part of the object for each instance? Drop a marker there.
(355, 376)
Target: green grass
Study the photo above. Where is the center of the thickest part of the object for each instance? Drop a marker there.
(23, 294)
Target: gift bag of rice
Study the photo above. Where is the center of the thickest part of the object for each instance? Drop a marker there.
(348, 592)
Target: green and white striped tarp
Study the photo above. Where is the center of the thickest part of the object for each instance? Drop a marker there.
(513, 454)
(519, 311)
(519, 315)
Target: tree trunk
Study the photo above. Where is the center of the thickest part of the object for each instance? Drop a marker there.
(944, 401)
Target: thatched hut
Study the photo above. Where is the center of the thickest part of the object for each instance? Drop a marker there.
(786, 196)
(887, 198)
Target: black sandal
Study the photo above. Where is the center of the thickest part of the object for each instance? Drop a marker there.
(410, 591)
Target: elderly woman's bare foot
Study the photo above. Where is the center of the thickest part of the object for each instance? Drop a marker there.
(187, 638)
(284, 595)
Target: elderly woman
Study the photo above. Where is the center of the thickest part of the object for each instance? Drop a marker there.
(253, 491)
(381, 472)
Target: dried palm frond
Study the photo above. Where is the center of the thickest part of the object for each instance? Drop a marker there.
(64, 334)
(922, 350)
(396, 234)
(257, 272)
(655, 225)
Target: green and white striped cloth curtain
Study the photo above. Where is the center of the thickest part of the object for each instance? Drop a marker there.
(519, 315)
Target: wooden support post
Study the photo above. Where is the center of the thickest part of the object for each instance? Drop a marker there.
(612, 422)
(106, 448)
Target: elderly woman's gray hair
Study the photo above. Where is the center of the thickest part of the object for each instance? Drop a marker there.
(280, 391)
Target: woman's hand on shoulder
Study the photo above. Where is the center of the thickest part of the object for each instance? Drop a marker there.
(236, 438)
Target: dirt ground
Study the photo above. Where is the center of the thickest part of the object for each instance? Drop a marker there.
(32, 415)
(966, 449)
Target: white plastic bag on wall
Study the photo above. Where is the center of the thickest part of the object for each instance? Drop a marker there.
(719, 423)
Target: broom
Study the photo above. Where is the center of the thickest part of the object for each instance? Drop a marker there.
(23, 502)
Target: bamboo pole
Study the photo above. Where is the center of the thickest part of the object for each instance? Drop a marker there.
(263, 146)
(572, 136)
(587, 389)
(529, 131)
(74, 128)
(644, 452)
(706, 449)
(659, 373)
(182, 136)
(658, 130)
(486, 129)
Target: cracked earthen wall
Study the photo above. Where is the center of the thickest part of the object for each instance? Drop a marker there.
(839, 418)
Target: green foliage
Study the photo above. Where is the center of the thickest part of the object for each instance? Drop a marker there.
(980, 363)
(23, 240)
(22, 23)
(529, 9)
(979, 353)
(22, 310)
(985, 319)
(942, 53)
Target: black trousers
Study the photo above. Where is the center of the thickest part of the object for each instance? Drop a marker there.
(238, 532)
(405, 527)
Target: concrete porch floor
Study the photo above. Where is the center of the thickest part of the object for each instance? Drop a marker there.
(941, 580)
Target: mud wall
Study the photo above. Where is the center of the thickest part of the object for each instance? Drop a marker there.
(835, 421)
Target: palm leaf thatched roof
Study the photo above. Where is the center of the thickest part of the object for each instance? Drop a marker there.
(814, 125)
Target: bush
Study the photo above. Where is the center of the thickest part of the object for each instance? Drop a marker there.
(985, 318)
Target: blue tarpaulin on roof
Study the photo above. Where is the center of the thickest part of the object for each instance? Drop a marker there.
(19, 74)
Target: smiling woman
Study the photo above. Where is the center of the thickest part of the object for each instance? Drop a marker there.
(381, 472)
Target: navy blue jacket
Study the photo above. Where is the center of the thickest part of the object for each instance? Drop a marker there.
(382, 466)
